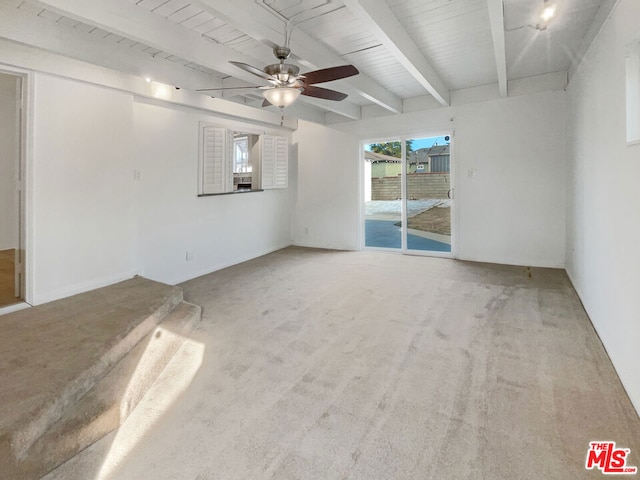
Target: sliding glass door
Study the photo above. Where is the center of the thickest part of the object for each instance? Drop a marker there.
(408, 195)
(383, 195)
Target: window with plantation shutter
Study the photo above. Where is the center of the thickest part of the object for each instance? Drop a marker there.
(214, 171)
(275, 162)
(240, 161)
(268, 161)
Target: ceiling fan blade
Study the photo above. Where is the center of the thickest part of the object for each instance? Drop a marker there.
(329, 74)
(225, 88)
(256, 71)
(266, 103)
(325, 93)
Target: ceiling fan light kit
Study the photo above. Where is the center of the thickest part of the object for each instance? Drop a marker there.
(281, 96)
(286, 83)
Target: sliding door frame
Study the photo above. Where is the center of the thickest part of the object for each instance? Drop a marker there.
(452, 185)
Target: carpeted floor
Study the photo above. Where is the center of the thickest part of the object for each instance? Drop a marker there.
(360, 365)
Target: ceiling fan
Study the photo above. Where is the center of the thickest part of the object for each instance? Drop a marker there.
(286, 83)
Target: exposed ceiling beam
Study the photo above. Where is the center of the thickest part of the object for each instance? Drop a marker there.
(250, 18)
(496, 17)
(385, 26)
(36, 59)
(345, 109)
(124, 18)
(23, 26)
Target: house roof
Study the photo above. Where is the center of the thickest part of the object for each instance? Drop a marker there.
(420, 155)
(423, 154)
(380, 157)
(430, 151)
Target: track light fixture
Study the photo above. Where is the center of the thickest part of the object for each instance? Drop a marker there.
(546, 15)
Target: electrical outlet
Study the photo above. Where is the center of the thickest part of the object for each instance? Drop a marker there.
(137, 175)
(189, 256)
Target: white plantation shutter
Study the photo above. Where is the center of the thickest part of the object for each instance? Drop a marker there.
(268, 161)
(229, 162)
(275, 162)
(214, 160)
(281, 179)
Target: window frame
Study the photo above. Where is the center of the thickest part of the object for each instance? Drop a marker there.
(272, 174)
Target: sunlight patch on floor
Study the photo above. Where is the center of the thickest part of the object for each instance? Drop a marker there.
(171, 383)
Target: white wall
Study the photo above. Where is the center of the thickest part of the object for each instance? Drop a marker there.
(8, 154)
(326, 212)
(218, 230)
(93, 224)
(512, 211)
(603, 258)
(84, 216)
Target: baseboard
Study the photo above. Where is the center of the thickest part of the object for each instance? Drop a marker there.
(226, 264)
(326, 246)
(513, 262)
(40, 298)
(595, 329)
(14, 308)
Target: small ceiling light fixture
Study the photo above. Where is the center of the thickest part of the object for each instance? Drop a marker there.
(548, 12)
(161, 91)
(281, 96)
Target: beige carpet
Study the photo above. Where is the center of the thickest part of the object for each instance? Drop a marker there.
(355, 365)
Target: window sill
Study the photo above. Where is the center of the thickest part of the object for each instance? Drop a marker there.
(229, 193)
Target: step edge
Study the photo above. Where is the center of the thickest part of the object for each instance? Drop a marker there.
(22, 439)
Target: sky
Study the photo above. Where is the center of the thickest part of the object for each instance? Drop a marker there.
(428, 142)
(423, 142)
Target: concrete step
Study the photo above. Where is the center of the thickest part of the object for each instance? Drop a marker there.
(74, 369)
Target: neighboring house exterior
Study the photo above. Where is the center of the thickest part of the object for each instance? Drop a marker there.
(383, 165)
(427, 176)
(434, 159)
(430, 160)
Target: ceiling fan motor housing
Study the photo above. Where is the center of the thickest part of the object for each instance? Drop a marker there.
(282, 71)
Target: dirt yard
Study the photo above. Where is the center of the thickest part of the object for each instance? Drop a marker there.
(436, 220)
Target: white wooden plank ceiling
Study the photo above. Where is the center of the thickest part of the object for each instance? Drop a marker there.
(403, 48)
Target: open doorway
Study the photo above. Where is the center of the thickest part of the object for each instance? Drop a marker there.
(408, 195)
(11, 199)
